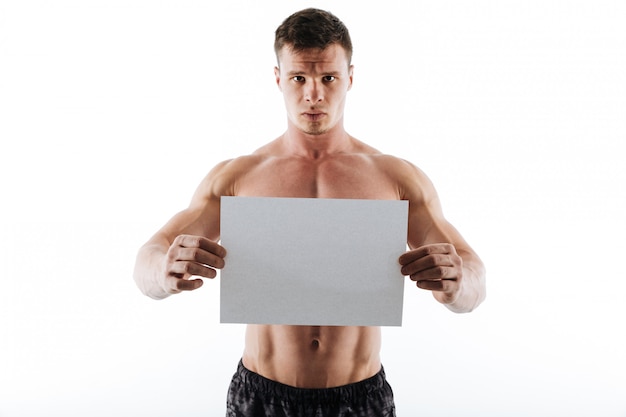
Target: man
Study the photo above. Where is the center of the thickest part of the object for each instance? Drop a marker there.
(313, 370)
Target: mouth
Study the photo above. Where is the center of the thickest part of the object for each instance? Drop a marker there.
(313, 116)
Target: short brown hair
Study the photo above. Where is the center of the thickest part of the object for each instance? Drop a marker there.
(312, 28)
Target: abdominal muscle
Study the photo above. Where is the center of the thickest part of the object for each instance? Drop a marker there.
(313, 356)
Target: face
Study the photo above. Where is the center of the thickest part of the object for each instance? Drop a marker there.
(314, 84)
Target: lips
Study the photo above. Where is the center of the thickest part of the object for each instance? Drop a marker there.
(313, 116)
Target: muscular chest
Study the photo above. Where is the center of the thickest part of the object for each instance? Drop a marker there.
(339, 177)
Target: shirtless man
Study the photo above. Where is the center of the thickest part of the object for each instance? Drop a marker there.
(297, 370)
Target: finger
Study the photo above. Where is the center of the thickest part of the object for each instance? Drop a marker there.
(442, 285)
(176, 285)
(185, 269)
(200, 256)
(435, 273)
(422, 251)
(427, 262)
(193, 241)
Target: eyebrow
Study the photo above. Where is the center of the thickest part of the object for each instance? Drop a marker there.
(294, 73)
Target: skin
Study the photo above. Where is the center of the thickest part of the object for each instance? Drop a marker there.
(314, 158)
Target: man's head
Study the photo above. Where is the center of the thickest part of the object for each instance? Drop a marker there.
(312, 29)
(314, 72)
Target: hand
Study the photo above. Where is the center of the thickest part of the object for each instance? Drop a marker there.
(435, 267)
(188, 256)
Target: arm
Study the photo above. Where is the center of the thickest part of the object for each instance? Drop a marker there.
(440, 260)
(185, 247)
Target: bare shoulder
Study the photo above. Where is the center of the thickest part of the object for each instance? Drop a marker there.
(222, 179)
(413, 184)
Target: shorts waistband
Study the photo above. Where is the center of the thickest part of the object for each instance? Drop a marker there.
(321, 395)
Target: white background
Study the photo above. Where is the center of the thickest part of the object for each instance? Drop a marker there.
(111, 112)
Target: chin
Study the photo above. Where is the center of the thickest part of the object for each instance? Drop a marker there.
(316, 132)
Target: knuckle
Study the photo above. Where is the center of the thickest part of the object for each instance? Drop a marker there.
(195, 241)
(438, 259)
(170, 268)
(440, 271)
(194, 253)
(172, 286)
(188, 268)
(171, 253)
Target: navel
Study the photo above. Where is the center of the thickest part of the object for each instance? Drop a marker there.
(315, 337)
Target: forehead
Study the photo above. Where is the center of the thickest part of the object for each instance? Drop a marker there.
(334, 56)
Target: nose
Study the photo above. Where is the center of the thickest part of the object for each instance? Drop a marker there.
(313, 93)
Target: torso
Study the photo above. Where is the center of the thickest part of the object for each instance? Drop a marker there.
(314, 356)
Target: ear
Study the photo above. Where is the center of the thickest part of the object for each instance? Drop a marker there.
(350, 73)
(277, 76)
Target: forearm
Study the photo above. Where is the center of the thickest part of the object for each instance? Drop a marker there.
(149, 269)
(472, 291)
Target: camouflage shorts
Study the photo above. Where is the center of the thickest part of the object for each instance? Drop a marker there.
(251, 395)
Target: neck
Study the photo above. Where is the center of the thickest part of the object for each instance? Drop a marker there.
(316, 146)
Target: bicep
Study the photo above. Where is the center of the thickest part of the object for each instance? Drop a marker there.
(201, 218)
(195, 220)
(427, 223)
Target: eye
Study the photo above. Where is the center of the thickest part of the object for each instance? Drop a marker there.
(298, 78)
(329, 78)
